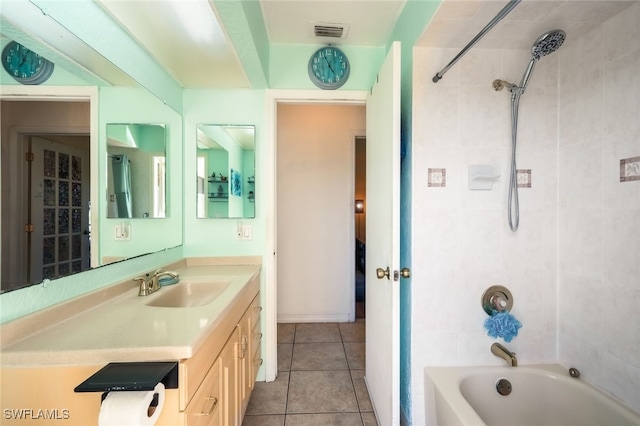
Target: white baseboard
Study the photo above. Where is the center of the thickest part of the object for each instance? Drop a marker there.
(313, 318)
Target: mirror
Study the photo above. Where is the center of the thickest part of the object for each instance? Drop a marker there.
(136, 171)
(62, 116)
(46, 175)
(225, 171)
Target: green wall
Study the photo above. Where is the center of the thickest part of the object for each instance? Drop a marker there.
(22, 302)
(217, 237)
(135, 105)
(288, 66)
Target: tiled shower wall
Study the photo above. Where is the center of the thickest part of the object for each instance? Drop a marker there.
(574, 265)
(462, 243)
(599, 216)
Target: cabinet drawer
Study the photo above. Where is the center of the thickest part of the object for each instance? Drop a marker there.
(205, 407)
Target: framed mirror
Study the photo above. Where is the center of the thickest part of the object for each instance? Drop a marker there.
(58, 121)
(225, 171)
(136, 171)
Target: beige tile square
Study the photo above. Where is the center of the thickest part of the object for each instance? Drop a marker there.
(332, 419)
(272, 420)
(286, 333)
(269, 397)
(285, 352)
(352, 331)
(321, 392)
(355, 355)
(317, 332)
(369, 419)
(319, 356)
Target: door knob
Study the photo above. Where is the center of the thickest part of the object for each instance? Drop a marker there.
(381, 273)
(405, 272)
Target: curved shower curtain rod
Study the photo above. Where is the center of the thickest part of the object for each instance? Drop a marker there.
(504, 12)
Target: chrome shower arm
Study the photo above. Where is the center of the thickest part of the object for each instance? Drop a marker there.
(504, 12)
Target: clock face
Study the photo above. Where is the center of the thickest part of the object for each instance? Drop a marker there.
(329, 68)
(24, 65)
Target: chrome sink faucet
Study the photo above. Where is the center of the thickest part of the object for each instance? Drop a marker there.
(150, 284)
(500, 351)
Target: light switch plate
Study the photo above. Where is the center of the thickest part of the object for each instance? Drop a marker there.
(123, 232)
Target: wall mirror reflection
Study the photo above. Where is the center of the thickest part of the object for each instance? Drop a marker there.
(225, 171)
(45, 233)
(136, 171)
(45, 191)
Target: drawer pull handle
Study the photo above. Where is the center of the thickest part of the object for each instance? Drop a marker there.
(213, 407)
(243, 346)
(258, 309)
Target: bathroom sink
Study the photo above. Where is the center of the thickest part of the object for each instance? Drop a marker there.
(189, 294)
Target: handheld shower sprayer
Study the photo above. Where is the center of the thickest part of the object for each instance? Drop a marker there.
(547, 43)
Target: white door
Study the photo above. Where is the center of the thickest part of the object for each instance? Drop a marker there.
(383, 241)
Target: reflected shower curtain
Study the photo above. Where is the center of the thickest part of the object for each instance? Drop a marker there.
(121, 167)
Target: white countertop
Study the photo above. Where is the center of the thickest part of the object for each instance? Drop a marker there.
(126, 329)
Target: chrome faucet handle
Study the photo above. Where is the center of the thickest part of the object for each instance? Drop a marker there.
(144, 285)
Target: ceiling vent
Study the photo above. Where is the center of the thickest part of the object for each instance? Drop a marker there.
(330, 30)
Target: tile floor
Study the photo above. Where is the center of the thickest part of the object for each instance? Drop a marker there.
(320, 379)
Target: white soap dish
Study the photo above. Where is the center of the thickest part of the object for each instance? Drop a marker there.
(482, 177)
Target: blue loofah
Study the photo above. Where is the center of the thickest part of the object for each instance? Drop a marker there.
(502, 324)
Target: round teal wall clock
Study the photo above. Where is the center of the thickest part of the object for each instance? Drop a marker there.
(329, 68)
(24, 65)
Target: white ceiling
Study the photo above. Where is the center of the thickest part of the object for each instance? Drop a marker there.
(369, 22)
(188, 40)
(458, 21)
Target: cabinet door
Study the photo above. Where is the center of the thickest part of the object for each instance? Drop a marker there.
(249, 338)
(255, 339)
(205, 408)
(244, 357)
(229, 365)
(255, 346)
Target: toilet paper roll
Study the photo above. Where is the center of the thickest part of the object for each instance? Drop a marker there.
(131, 408)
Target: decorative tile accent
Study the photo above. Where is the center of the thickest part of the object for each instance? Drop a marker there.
(436, 177)
(630, 169)
(523, 178)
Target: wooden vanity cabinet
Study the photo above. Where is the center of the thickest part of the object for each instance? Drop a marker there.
(205, 408)
(221, 398)
(214, 384)
(229, 363)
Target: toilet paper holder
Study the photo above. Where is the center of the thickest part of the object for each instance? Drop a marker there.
(131, 376)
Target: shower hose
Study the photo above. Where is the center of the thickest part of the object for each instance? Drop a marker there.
(514, 210)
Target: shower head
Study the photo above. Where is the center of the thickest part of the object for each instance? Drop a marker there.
(548, 43)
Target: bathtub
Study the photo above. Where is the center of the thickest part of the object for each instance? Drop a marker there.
(541, 395)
